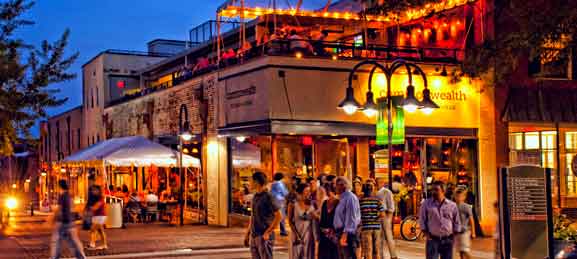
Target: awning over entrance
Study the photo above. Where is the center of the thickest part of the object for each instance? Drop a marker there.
(131, 151)
(325, 128)
(541, 105)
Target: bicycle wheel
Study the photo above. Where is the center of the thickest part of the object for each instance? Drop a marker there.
(410, 229)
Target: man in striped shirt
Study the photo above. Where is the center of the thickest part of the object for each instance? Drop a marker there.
(372, 214)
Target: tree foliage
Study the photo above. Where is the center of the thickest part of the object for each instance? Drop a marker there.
(26, 72)
(522, 28)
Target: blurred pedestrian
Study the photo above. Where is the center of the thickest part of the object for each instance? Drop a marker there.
(463, 239)
(98, 210)
(301, 218)
(439, 219)
(372, 214)
(328, 240)
(64, 227)
(347, 219)
(265, 217)
(279, 191)
(388, 200)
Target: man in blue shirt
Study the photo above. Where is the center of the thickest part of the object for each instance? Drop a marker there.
(347, 219)
(279, 192)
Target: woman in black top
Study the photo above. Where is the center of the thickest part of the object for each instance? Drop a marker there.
(328, 239)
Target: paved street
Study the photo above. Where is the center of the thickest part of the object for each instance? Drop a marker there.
(27, 237)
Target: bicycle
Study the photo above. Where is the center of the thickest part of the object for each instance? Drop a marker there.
(410, 229)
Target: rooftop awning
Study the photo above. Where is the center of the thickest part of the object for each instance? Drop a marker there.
(131, 151)
(541, 105)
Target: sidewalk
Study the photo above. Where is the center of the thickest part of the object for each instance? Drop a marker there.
(148, 238)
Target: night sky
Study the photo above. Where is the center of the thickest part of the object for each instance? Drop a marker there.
(97, 25)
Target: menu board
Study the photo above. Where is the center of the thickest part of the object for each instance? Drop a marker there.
(527, 198)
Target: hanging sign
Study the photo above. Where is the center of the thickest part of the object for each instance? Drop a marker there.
(398, 117)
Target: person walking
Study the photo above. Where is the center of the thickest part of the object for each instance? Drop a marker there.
(372, 214)
(301, 218)
(439, 219)
(265, 217)
(64, 227)
(388, 200)
(347, 219)
(97, 207)
(328, 239)
(279, 191)
(463, 239)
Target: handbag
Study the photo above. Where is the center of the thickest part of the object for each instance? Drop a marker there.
(330, 235)
(87, 221)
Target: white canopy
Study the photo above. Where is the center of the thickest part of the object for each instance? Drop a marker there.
(131, 151)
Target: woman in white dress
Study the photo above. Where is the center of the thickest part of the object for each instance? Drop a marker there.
(301, 216)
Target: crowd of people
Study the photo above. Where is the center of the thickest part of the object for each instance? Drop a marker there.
(330, 218)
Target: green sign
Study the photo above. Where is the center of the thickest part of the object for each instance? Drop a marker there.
(398, 122)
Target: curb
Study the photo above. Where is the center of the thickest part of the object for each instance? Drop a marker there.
(178, 252)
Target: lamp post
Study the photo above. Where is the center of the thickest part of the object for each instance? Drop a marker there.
(183, 135)
(410, 103)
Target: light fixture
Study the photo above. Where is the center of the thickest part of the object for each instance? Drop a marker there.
(185, 150)
(186, 136)
(349, 104)
(428, 105)
(27, 180)
(43, 174)
(370, 107)
(240, 138)
(63, 170)
(444, 72)
(13, 186)
(298, 55)
(410, 103)
(195, 150)
(335, 57)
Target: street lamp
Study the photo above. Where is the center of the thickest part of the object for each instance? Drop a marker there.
(410, 103)
(183, 135)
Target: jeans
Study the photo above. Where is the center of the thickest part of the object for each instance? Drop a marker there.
(349, 251)
(371, 243)
(388, 236)
(68, 233)
(440, 247)
(261, 248)
(283, 220)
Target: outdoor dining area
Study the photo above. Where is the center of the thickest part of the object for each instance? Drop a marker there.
(140, 178)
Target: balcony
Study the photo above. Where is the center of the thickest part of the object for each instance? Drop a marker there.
(299, 49)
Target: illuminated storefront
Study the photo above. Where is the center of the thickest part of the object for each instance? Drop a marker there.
(313, 137)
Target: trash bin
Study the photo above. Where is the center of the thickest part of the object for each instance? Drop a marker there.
(114, 208)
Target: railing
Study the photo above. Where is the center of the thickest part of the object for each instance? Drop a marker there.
(311, 49)
(141, 53)
(208, 31)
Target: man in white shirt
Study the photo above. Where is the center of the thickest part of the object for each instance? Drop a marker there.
(389, 203)
(151, 197)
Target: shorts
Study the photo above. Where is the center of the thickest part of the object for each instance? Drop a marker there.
(463, 242)
(100, 220)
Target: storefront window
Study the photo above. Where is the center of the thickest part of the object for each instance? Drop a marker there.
(332, 156)
(571, 149)
(538, 147)
(532, 140)
(251, 155)
(516, 141)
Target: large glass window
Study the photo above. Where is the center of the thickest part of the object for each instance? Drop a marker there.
(247, 156)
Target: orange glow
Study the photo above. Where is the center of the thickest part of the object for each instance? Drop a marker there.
(409, 15)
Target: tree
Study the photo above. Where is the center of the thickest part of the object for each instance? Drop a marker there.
(523, 28)
(26, 71)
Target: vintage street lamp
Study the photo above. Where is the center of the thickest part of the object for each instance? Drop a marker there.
(410, 103)
(183, 135)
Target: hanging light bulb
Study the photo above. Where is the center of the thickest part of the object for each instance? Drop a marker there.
(370, 107)
(444, 72)
(349, 104)
(410, 103)
(428, 105)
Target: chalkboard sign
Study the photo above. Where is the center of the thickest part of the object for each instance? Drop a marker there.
(526, 212)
